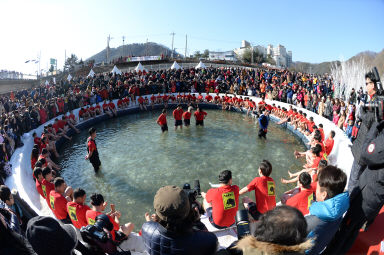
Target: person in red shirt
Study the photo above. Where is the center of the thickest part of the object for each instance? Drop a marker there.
(58, 200)
(140, 100)
(328, 144)
(77, 208)
(126, 101)
(200, 98)
(162, 121)
(187, 117)
(38, 174)
(221, 204)
(98, 207)
(200, 116)
(106, 109)
(208, 98)
(93, 153)
(34, 157)
(83, 114)
(264, 187)
(121, 104)
(178, 115)
(36, 139)
(46, 183)
(303, 200)
(98, 109)
(112, 108)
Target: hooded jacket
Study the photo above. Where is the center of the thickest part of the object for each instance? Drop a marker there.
(324, 220)
(250, 246)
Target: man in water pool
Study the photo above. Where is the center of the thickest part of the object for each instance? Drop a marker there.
(93, 154)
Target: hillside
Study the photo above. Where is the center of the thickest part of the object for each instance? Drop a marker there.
(135, 49)
(369, 57)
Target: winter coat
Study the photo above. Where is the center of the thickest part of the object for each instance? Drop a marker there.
(159, 241)
(250, 246)
(324, 219)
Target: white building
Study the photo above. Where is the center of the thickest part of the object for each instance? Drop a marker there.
(222, 55)
(278, 53)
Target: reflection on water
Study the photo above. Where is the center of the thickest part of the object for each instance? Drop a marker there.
(137, 159)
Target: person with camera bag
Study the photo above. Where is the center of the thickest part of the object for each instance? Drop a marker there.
(118, 232)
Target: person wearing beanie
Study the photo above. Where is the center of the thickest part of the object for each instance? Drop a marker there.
(169, 230)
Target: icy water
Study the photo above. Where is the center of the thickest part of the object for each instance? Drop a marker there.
(137, 159)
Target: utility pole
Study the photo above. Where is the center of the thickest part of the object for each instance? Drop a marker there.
(123, 45)
(108, 40)
(173, 35)
(146, 48)
(186, 43)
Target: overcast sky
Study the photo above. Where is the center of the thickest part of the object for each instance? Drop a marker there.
(315, 31)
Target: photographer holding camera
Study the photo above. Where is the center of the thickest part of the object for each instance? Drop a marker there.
(170, 230)
(367, 191)
(368, 114)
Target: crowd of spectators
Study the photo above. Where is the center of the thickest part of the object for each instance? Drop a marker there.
(175, 227)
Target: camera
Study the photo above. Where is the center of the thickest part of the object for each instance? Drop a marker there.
(242, 223)
(96, 231)
(193, 194)
(377, 106)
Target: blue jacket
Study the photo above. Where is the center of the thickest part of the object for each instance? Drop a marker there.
(263, 121)
(324, 220)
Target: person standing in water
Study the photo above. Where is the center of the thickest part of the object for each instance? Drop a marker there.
(162, 121)
(93, 154)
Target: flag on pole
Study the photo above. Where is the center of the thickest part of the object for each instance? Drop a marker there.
(69, 78)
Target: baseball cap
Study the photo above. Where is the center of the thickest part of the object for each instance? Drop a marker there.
(47, 236)
(171, 202)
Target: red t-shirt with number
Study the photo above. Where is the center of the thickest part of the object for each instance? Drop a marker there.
(39, 188)
(58, 205)
(302, 200)
(77, 213)
(265, 196)
(225, 202)
(47, 187)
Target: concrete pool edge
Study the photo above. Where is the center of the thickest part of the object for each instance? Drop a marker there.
(22, 180)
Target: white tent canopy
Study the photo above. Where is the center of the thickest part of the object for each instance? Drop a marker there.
(69, 78)
(175, 65)
(116, 70)
(200, 65)
(91, 73)
(140, 67)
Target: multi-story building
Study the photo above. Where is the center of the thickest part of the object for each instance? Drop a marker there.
(278, 53)
(13, 75)
(222, 55)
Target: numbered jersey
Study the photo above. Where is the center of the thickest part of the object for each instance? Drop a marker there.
(77, 213)
(58, 205)
(265, 196)
(302, 200)
(225, 203)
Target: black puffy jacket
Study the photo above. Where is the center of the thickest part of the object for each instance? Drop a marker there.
(158, 241)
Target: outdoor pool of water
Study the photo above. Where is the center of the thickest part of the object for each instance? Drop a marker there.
(137, 159)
